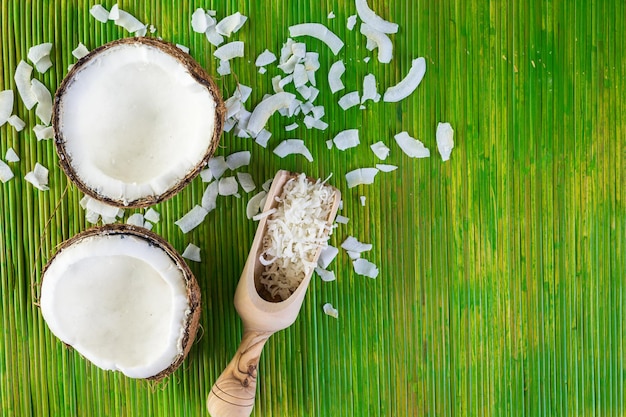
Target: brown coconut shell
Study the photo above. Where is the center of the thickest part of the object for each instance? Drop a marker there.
(193, 290)
(196, 71)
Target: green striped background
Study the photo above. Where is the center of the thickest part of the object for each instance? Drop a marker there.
(502, 271)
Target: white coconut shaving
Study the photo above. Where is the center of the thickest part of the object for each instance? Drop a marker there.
(312, 61)
(329, 310)
(224, 68)
(5, 172)
(6, 105)
(80, 51)
(352, 244)
(445, 140)
(11, 156)
(335, 73)
(114, 13)
(300, 76)
(228, 186)
(192, 252)
(318, 112)
(183, 48)
(265, 58)
(378, 40)
(22, 78)
(318, 31)
(361, 176)
(230, 50)
(246, 181)
(44, 101)
(262, 70)
(311, 122)
(231, 24)
(37, 52)
(192, 219)
(362, 198)
(409, 84)
(369, 89)
(209, 198)
(16, 122)
(213, 37)
(366, 59)
(294, 234)
(346, 139)
(291, 147)
(263, 137)
(380, 150)
(331, 15)
(96, 208)
(38, 177)
(349, 100)
(238, 160)
(152, 215)
(99, 13)
(135, 219)
(327, 256)
(413, 148)
(254, 204)
(148, 225)
(342, 219)
(368, 16)
(351, 22)
(266, 108)
(291, 127)
(199, 21)
(217, 165)
(43, 132)
(365, 268)
(386, 168)
(130, 23)
(325, 275)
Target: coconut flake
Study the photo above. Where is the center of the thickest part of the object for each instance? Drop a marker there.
(353, 255)
(11, 156)
(377, 39)
(209, 198)
(130, 23)
(99, 13)
(183, 48)
(228, 186)
(263, 137)
(43, 65)
(6, 105)
(352, 244)
(300, 77)
(114, 13)
(262, 70)
(43, 132)
(331, 15)
(445, 140)
(380, 150)
(192, 252)
(38, 52)
(148, 225)
(311, 122)
(369, 89)
(261, 216)
(409, 84)
(346, 139)
(152, 215)
(38, 177)
(318, 31)
(341, 219)
(368, 16)
(386, 168)
(327, 255)
(351, 22)
(192, 219)
(363, 198)
(199, 21)
(213, 37)
(254, 204)
(135, 219)
(16, 122)
(361, 176)
(291, 127)
(318, 112)
(22, 78)
(265, 58)
(266, 108)
(5, 172)
(312, 61)
(365, 268)
(230, 24)
(44, 100)
(246, 181)
(413, 148)
(230, 50)
(238, 159)
(349, 100)
(80, 51)
(325, 275)
(217, 165)
(334, 76)
(293, 146)
(329, 310)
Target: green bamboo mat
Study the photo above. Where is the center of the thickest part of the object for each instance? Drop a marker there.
(501, 289)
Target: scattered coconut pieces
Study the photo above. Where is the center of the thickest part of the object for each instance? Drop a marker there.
(230, 50)
(346, 139)
(413, 148)
(114, 13)
(11, 156)
(199, 21)
(363, 198)
(377, 39)
(386, 168)
(228, 186)
(318, 31)
(39, 55)
(368, 16)
(99, 13)
(213, 37)
(192, 219)
(136, 219)
(380, 150)
(361, 176)
(246, 181)
(38, 177)
(43, 132)
(238, 160)
(16, 122)
(266, 108)
(230, 24)
(206, 175)
(6, 105)
(369, 89)
(327, 256)
(331, 15)
(263, 137)
(96, 209)
(329, 310)
(311, 122)
(265, 58)
(152, 215)
(335, 73)
(409, 84)
(255, 204)
(22, 78)
(224, 68)
(291, 127)
(342, 219)
(351, 22)
(325, 275)
(217, 165)
(129, 22)
(183, 48)
(5, 172)
(445, 140)
(192, 252)
(80, 51)
(293, 146)
(365, 268)
(349, 100)
(352, 244)
(209, 198)
(44, 101)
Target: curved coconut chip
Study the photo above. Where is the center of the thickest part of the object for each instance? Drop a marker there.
(368, 16)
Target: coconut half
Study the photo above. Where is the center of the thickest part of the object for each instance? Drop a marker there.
(124, 299)
(135, 121)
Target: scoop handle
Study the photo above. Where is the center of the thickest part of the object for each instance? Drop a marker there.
(234, 391)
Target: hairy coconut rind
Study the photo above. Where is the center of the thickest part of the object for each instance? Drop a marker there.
(196, 71)
(193, 290)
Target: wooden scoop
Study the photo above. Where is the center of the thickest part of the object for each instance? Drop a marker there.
(234, 391)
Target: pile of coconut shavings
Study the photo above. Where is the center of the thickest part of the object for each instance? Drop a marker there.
(295, 232)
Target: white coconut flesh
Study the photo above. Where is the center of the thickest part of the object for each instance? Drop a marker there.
(134, 122)
(120, 301)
